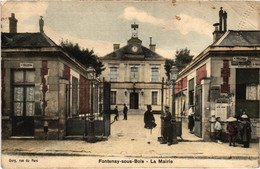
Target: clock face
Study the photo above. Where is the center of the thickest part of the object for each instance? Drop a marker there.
(134, 48)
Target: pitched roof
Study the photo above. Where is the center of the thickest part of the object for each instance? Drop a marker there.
(232, 38)
(121, 53)
(23, 40)
(239, 38)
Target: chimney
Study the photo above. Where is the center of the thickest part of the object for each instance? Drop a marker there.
(152, 46)
(116, 46)
(221, 27)
(220, 18)
(13, 23)
(217, 33)
(41, 24)
(225, 20)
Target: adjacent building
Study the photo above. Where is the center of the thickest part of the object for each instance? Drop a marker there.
(222, 81)
(42, 86)
(135, 73)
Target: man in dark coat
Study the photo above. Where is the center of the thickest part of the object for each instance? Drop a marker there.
(117, 115)
(191, 122)
(149, 118)
(167, 132)
(245, 131)
(125, 112)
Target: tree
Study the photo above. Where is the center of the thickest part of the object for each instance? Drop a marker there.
(182, 59)
(167, 66)
(84, 56)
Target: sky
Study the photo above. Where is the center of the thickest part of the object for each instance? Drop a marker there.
(97, 25)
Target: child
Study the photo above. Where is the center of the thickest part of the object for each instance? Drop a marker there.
(232, 130)
(218, 130)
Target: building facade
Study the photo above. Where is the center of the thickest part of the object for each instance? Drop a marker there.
(42, 87)
(222, 81)
(135, 73)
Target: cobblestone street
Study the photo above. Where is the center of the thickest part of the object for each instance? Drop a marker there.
(129, 138)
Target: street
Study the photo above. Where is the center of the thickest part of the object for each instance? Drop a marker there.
(128, 141)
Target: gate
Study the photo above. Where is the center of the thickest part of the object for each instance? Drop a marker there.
(198, 111)
(79, 110)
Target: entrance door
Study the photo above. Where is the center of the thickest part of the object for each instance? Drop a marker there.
(247, 82)
(23, 102)
(134, 101)
(23, 106)
(198, 112)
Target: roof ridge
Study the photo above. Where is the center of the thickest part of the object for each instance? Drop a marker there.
(244, 30)
(49, 39)
(222, 38)
(126, 50)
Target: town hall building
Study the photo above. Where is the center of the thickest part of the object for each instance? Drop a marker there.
(135, 73)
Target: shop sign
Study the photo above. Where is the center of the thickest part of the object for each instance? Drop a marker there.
(26, 65)
(255, 63)
(242, 61)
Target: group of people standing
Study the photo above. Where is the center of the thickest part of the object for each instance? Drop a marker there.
(238, 130)
(149, 123)
(125, 110)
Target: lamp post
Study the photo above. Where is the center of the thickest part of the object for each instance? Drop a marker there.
(173, 77)
(162, 113)
(91, 129)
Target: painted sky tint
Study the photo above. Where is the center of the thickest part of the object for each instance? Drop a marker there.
(98, 25)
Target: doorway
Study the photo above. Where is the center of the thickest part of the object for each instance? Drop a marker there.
(134, 102)
(198, 111)
(23, 105)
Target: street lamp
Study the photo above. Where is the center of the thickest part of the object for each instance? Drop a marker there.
(91, 129)
(173, 77)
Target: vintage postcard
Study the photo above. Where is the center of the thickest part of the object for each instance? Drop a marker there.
(130, 84)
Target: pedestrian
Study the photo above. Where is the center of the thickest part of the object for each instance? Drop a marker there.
(149, 118)
(232, 129)
(167, 128)
(125, 112)
(218, 130)
(191, 120)
(149, 122)
(246, 130)
(116, 114)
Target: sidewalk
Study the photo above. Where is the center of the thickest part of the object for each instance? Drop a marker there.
(129, 139)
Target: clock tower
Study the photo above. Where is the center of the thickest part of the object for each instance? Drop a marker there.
(134, 39)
